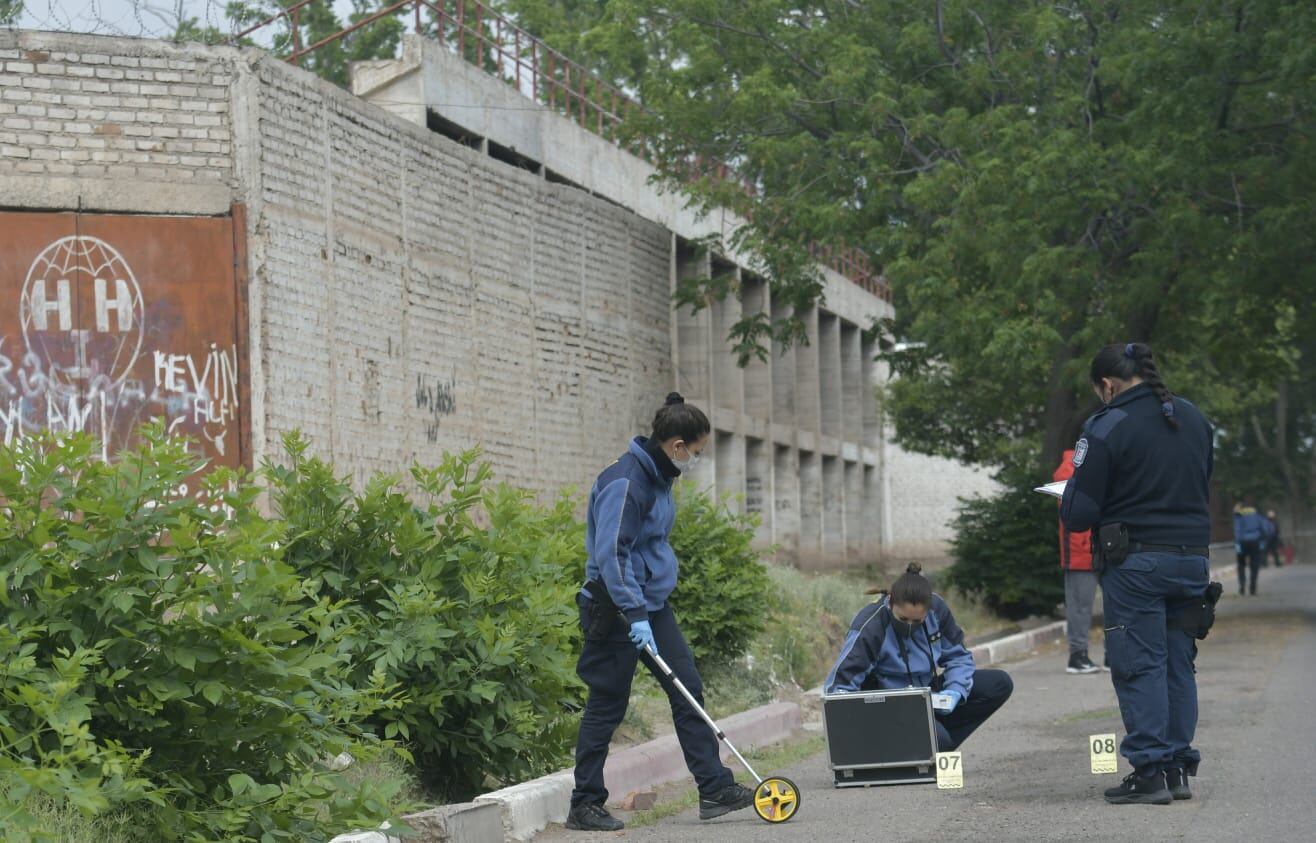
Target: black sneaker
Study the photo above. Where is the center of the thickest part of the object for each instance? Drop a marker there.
(1080, 663)
(1176, 778)
(1139, 791)
(733, 797)
(591, 817)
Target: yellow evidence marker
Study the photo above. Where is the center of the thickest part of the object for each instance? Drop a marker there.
(950, 771)
(1104, 759)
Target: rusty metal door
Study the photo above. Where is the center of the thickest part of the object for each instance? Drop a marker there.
(108, 321)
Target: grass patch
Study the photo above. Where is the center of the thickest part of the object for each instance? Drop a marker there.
(67, 825)
(766, 761)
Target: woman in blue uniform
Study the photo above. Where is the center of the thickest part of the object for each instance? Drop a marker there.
(908, 638)
(631, 571)
(1140, 481)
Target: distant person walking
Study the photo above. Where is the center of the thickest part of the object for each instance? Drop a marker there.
(1249, 539)
(1080, 582)
(1273, 542)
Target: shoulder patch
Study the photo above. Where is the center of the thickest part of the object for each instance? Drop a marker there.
(1080, 451)
(1103, 425)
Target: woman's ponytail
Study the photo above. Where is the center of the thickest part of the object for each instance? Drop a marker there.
(1142, 355)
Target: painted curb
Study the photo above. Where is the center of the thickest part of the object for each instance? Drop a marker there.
(530, 807)
(466, 822)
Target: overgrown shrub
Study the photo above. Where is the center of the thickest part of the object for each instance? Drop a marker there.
(161, 658)
(1006, 551)
(721, 598)
(476, 623)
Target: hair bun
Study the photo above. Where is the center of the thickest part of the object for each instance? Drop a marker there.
(674, 398)
(914, 568)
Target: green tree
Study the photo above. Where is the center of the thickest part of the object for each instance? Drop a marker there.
(1036, 179)
(9, 11)
(318, 21)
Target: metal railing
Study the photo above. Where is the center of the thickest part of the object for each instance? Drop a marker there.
(498, 46)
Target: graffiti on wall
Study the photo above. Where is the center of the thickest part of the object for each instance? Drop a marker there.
(95, 339)
(436, 398)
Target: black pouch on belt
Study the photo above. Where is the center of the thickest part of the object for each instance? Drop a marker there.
(1112, 544)
(603, 619)
(1199, 617)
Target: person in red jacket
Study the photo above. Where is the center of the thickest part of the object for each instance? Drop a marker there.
(1080, 583)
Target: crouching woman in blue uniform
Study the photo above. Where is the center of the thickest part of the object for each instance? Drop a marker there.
(902, 640)
(631, 571)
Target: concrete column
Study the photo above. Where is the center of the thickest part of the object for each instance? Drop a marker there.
(829, 370)
(811, 511)
(758, 489)
(833, 493)
(853, 389)
(786, 501)
(728, 378)
(872, 437)
(854, 514)
(757, 373)
(872, 514)
(807, 420)
(729, 459)
(783, 380)
(693, 349)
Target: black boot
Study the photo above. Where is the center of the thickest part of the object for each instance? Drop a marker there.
(1139, 791)
(591, 817)
(733, 797)
(1176, 778)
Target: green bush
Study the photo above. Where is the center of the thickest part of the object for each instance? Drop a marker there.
(1006, 551)
(161, 659)
(721, 597)
(477, 623)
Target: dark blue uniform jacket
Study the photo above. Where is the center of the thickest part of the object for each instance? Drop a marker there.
(1131, 467)
(872, 656)
(631, 513)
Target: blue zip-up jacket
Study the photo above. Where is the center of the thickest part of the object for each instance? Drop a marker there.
(1249, 526)
(871, 654)
(630, 517)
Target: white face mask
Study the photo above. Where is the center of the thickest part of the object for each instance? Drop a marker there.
(685, 465)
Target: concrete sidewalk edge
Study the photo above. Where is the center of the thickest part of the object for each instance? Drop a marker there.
(529, 807)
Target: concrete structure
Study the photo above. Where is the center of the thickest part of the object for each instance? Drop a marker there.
(406, 293)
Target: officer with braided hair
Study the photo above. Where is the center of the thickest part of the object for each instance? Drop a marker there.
(1141, 471)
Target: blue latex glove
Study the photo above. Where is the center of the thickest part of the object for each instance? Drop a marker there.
(641, 634)
(955, 699)
(1238, 548)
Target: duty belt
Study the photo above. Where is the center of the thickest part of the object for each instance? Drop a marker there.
(1182, 550)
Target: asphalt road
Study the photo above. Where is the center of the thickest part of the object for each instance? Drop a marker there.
(1027, 771)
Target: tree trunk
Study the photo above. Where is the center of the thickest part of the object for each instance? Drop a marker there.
(1062, 421)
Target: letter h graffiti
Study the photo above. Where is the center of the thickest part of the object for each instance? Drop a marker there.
(43, 307)
(121, 304)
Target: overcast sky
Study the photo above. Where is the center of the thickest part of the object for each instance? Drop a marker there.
(136, 18)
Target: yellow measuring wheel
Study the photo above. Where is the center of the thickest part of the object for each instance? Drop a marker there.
(776, 799)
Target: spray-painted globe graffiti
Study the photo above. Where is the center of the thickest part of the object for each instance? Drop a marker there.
(82, 314)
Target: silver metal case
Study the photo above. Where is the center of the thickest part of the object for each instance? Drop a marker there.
(880, 737)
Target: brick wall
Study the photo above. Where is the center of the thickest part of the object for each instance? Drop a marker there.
(417, 296)
(144, 113)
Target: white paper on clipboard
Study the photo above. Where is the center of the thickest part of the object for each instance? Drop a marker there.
(1055, 490)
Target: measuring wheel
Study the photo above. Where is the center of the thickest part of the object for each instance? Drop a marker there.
(776, 799)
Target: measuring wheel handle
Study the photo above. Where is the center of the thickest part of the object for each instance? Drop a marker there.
(776, 799)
